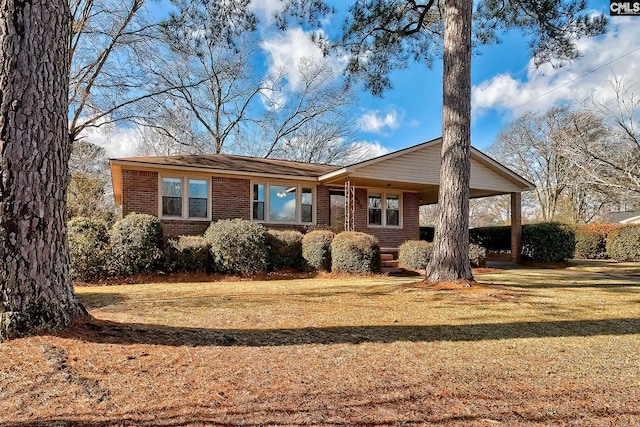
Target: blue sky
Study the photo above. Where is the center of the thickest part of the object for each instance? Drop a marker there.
(505, 83)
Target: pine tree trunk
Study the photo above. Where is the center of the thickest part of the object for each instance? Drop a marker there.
(36, 293)
(450, 259)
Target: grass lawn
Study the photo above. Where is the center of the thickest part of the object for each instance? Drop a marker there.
(534, 346)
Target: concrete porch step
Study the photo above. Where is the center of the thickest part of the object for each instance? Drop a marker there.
(391, 270)
(389, 263)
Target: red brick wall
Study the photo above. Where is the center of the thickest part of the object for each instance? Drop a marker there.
(231, 198)
(139, 192)
(322, 208)
(390, 237)
(173, 228)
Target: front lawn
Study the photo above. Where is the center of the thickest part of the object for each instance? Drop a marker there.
(557, 346)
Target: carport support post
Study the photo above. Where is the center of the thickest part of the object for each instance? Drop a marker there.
(516, 227)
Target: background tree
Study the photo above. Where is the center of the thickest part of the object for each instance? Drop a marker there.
(89, 192)
(306, 120)
(606, 137)
(36, 293)
(534, 146)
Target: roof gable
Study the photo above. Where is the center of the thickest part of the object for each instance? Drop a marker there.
(421, 164)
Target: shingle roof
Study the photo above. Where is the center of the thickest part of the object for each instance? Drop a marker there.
(620, 216)
(227, 162)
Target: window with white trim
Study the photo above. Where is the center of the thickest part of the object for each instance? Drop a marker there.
(384, 209)
(184, 198)
(282, 203)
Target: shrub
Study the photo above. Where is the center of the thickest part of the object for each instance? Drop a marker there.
(356, 253)
(548, 242)
(238, 246)
(623, 244)
(415, 254)
(135, 244)
(316, 249)
(285, 249)
(477, 255)
(591, 240)
(590, 244)
(187, 253)
(88, 248)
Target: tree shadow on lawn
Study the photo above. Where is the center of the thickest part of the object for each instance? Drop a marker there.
(131, 333)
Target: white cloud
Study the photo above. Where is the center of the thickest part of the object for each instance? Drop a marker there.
(602, 57)
(375, 121)
(364, 150)
(286, 50)
(117, 141)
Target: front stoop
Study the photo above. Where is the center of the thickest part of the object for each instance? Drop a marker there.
(389, 261)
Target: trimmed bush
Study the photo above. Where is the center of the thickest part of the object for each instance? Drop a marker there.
(356, 253)
(548, 242)
(316, 249)
(623, 244)
(477, 255)
(285, 249)
(415, 254)
(238, 246)
(590, 244)
(187, 254)
(135, 244)
(88, 248)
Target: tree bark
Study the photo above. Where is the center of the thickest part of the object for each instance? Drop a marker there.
(36, 293)
(450, 259)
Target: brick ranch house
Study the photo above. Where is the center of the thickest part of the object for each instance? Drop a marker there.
(380, 196)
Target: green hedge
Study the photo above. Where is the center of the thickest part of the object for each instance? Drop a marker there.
(187, 254)
(356, 253)
(415, 254)
(623, 244)
(591, 240)
(316, 249)
(285, 249)
(88, 248)
(136, 242)
(238, 246)
(548, 242)
(496, 238)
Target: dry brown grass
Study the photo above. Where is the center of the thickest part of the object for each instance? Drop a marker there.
(550, 347)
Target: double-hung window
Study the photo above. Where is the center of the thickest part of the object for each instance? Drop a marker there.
(384, 209)
(184, 198)
(282, 203)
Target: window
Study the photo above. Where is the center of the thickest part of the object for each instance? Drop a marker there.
(393, 210)
(197, 198)
(284, 203)
(306, 205)
(258, 202)
(172, 197)
(384, 209)
(184, 198)
(375, 209)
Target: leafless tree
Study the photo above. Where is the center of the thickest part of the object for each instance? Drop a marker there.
(307, 120)
(606, 139)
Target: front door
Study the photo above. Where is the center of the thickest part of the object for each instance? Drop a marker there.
(336, 216)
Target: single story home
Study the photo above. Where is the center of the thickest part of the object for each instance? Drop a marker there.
(379, 196)
(626, 217)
